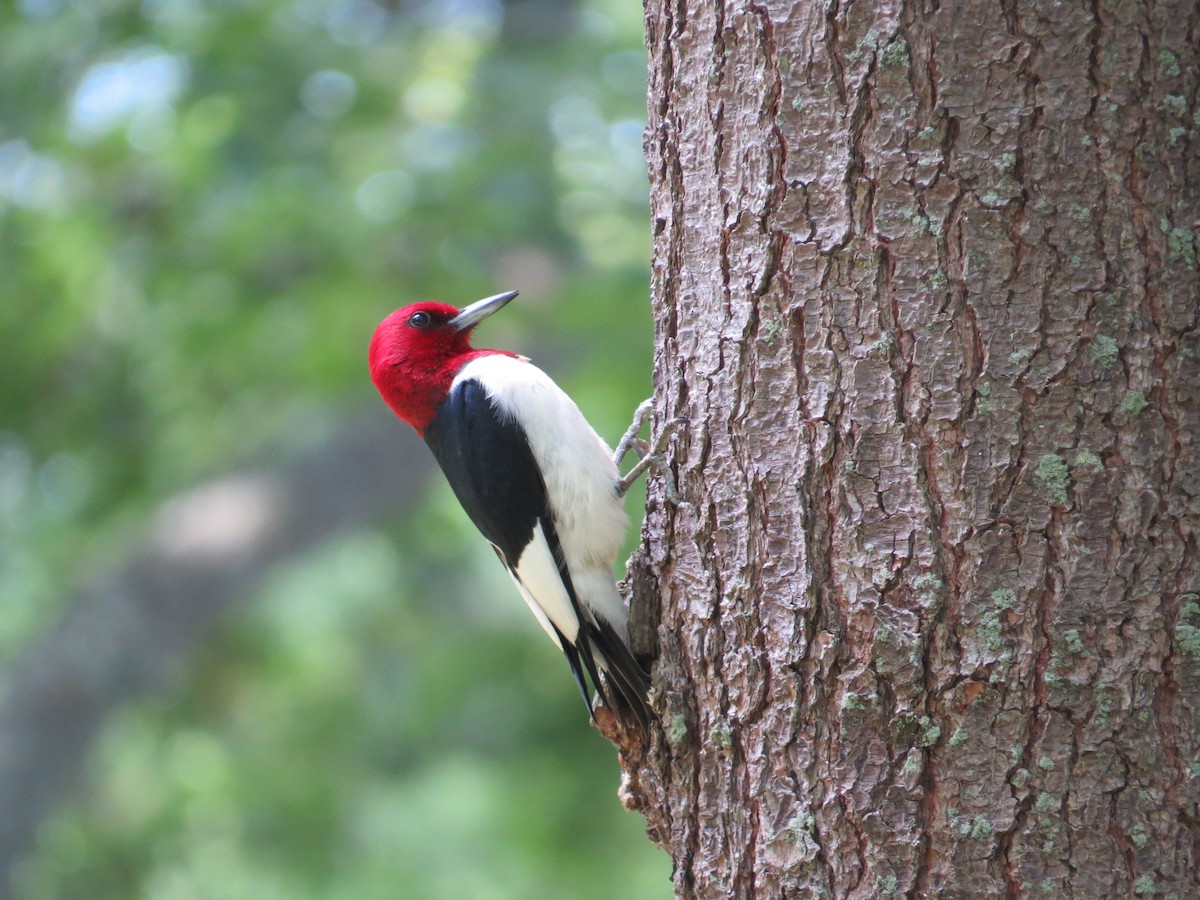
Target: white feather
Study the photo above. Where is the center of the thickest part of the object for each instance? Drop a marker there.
(538, 581)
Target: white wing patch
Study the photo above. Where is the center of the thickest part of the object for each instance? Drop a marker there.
(538, 579)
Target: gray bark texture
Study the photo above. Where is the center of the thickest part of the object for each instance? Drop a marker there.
(925, 282)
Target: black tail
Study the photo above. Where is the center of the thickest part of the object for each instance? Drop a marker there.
(598, 646)
(625, 683)
(623, 686)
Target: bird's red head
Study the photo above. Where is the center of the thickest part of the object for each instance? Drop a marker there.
(417, 351)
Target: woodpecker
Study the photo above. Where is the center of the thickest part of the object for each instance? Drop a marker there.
(533, 476)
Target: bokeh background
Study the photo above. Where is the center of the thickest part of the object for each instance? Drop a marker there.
(249, 645)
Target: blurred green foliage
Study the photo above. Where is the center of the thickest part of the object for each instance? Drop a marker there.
(205, 207)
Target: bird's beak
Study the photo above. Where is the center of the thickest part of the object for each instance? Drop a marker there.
(480, 310)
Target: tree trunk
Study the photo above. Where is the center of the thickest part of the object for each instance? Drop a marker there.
(925, 283)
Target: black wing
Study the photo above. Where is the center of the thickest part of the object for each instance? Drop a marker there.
(490, 467)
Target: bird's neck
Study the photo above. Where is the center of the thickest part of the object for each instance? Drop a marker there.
(415, 387)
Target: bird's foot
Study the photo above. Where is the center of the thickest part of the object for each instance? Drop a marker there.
(652, 454)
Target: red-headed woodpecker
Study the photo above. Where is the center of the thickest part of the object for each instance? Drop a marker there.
(532, 475)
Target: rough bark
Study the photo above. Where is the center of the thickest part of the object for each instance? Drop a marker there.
(925, 282)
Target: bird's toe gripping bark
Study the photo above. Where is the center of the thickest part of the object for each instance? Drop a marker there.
(652, 453)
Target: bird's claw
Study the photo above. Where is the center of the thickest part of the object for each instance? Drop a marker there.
(630, 439)
(652, 454)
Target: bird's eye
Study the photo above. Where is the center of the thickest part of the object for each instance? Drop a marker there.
(420, 319)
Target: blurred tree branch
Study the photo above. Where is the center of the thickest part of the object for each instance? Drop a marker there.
(132, 633)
